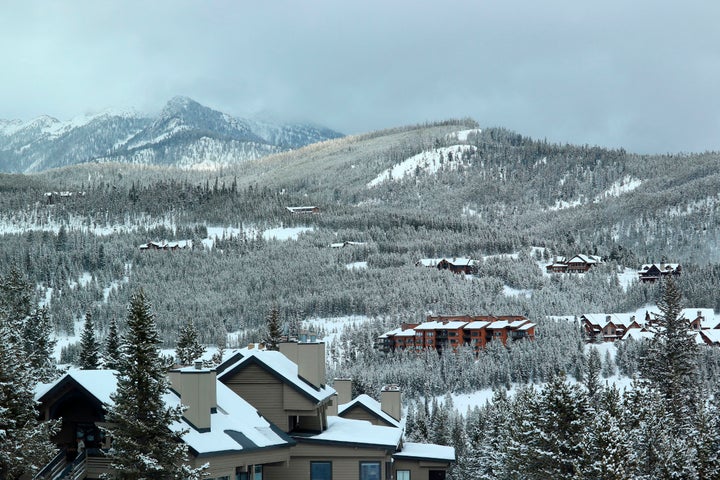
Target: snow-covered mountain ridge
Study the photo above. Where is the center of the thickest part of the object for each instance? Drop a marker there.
(185, 134)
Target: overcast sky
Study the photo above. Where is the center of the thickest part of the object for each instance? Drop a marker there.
(641, 74)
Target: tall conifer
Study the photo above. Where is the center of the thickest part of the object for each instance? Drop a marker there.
(143, 445)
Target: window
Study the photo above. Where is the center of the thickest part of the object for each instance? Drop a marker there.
(320, 470)
(402, 475)
(370, 471)
(257, 472)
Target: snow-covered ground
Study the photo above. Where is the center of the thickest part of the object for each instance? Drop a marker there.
(278, 233)
(515, 292)
(334, 326)
(625, 185)
(430, 161)
(285, 233)
(356, 266)
(462, 135)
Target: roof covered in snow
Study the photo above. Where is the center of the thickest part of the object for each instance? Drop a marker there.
(424, 451)
(358, 433)
(235, 426)
(275, 363)
(368, 404)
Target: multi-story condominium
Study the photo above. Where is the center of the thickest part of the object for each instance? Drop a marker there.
(260, 415)
(441, 332)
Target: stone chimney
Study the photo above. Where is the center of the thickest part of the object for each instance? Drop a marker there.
(198, 393)
(390, 401)
(310, 359)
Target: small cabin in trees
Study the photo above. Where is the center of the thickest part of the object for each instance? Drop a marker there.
(653, 272)
(303, 210)
(455, 264)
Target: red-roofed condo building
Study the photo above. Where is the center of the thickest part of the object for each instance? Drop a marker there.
(453, 331)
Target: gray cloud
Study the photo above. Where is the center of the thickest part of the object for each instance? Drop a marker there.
(642, 75)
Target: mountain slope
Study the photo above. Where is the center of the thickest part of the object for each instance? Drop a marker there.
(185, 134)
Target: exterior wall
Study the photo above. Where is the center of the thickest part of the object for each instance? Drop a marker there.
(222, 465)
(263, 391)
(419, 470)
(345, 461)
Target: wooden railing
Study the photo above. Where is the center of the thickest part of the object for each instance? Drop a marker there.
(53, 468)
(76, 470)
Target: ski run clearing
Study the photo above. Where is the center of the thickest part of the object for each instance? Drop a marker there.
(431, 161)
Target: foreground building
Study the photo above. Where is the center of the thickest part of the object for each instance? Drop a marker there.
(260, 415)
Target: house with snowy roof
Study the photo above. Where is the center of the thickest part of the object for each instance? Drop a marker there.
(603, 327)
(166, 246)
(653, 272)
(578, 264)
(454, 264)
(260, 414)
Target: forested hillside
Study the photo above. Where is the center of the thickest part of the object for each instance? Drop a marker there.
(507, 200)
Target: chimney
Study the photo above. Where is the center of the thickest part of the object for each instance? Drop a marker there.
(310, 359)
(332, 407)
(343, 387)
(198, 393)
(390, 401)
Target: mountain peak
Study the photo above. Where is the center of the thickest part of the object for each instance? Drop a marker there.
(180, 103)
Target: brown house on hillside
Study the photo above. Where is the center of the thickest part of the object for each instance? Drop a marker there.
(455, 264)
(653, 272)
(577, 264)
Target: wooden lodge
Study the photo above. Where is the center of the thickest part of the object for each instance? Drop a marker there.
(577, 264)
(454, 264)
(653, 272)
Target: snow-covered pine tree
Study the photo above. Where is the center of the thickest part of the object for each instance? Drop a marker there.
(671, 364)
(274, 333)
(143, 446)
(562, 410)
(25, 444)
(188, 347)
(89, 349)
(111, 359)
(39, 346)
(591, 378)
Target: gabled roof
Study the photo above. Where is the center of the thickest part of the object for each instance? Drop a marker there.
(499, 325)
(713, 336)
(477, 325)
(589, 259)
(276, 364)
(406, 333)
(372, 406)
(235, 426)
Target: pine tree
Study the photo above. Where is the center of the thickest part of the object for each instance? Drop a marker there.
(274, 334)
(89, 349)
(39, 346)
(188, 348)
(671, 364)
(143, 445)
(592, 373)
(25, 444)
(111, 359)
